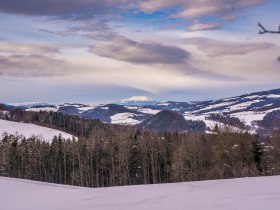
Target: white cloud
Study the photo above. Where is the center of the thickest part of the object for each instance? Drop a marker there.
(221, 48)
(203, 26)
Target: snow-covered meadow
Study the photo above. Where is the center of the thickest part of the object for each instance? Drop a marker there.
(233, 194)
(29, 130)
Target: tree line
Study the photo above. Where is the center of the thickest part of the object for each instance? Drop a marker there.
(138, 157)
(109, 155)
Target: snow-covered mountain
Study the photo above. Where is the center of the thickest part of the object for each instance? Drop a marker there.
(245, 111)
(138, 101)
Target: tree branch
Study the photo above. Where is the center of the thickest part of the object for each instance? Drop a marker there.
(263, 30)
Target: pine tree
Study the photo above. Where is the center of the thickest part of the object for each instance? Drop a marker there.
(258, 152)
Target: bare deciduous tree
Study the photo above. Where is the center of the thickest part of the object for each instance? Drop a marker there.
(264, 30)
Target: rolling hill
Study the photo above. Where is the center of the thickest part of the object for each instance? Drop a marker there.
(246, 111)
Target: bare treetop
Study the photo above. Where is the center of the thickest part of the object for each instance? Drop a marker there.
(263, 30)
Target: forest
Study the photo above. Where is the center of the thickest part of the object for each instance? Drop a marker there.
(106, 155)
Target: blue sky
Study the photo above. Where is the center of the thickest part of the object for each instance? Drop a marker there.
(103, 51)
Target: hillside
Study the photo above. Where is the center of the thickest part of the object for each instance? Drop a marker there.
(245, 111)
(171, 121)
(29, 130)
(242, 194)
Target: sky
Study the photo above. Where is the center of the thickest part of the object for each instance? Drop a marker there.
(91, 51)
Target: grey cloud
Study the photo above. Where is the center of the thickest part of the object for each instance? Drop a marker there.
(87, 8)
(64, 33)
(143, 53)
(59, 7)
(90, 28)
(91, 15)
(219, 48)
(29, 66)
(154, 53)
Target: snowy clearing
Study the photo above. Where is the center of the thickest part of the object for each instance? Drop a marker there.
(46, 109)
(124, 118)
(243, 105)
(250, 116)
(86, 108)
(29, 130)
(209, 107)
(148, 111)
(240, 194)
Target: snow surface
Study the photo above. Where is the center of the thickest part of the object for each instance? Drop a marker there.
(209, 123)
(144, 110)
(29, 104)
(216, 106)
(86, 108)
(47, 109)
(273, 96)
(250, 116)
(104, 107)
(163, 104)
(251, 97)
(125, 118)
(243, 105)
(148, 111)
(136, 99)
(29, 130)
(232, 194)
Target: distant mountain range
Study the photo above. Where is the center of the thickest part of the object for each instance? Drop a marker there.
(257, 112)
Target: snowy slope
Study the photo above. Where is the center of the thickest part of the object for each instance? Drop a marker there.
(236, 194)
(29, 130)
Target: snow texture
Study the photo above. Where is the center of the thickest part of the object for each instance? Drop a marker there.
(125, 118)
(136, 99)
(232, 194)
(29, 130)
(47, 109)
(148, 111)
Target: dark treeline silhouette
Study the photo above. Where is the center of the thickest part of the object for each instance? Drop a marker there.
(106, 155)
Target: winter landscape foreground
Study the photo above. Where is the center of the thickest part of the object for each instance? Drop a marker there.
(246, 193)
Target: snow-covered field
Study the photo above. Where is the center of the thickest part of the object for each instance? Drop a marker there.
(29, 130)
(47, 109)
(235, 194)
(124, 119)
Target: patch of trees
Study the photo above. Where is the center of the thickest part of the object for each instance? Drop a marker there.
(228, 120)
(115, 157)
(72, 124)
(197, 125)
(269, 123)
(270, 120)
(171, 121)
